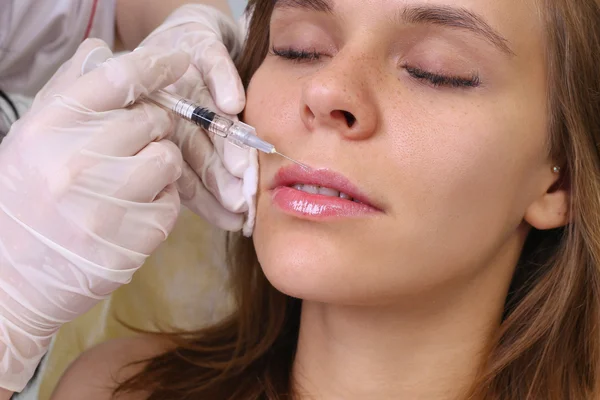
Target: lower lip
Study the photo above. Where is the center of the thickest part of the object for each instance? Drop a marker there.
(317, 206)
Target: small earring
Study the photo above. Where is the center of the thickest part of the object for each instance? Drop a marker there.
(556, 169)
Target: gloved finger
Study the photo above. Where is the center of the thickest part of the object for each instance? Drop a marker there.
(120, 81)
(200, 154)
(69, 72)
(221, 77)
(235, 158)
(161, 167)
(186, 86)
(119, 133)
(199, 200)
(135, 179)
(139, 228)
(163, 222)
(168, 197)
(129, 131)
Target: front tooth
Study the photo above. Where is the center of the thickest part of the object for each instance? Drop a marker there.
(328, 192)
(298, 186)
(312, 189)
(345, 196)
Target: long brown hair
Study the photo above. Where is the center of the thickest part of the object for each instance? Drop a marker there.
(548, 345)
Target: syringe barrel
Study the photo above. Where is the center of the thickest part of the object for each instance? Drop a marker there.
(184, 108)
(180, 106)
(190, 111)
(237, 132)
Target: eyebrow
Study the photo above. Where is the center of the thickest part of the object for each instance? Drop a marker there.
(313, 5)
(448, 16)
(453, 17)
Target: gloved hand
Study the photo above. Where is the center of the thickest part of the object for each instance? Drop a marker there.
(86, 194)
(219, 180)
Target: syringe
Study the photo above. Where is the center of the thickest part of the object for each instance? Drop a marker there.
(237, 132)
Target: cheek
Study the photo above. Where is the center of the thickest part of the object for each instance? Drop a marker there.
(272, 103)
(460, 178)
(462, 152)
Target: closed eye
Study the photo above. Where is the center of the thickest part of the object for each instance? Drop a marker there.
(296, 55)
(438, 80)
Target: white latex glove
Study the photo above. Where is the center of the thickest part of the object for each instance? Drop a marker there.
(86, 194)
(219, 180)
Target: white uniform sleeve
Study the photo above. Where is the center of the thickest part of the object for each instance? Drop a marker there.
(37, 36)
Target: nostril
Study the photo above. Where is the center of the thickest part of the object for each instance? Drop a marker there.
(350, 119)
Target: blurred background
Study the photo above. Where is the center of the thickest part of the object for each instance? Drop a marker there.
(237, 7)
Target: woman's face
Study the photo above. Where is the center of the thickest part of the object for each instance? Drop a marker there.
(431, 113)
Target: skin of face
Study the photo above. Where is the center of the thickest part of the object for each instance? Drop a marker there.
(459, 172)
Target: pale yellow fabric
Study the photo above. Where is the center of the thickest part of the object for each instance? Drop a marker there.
(183, 284)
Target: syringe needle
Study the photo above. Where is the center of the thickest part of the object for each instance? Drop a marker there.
(304, 166)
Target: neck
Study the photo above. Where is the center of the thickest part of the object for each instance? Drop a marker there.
(430, 348)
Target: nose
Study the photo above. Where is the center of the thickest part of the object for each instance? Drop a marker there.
(338, 97)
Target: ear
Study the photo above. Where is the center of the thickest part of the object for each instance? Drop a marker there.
(551, 209)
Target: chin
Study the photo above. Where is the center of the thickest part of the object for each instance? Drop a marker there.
(295, 260)
(310, 260)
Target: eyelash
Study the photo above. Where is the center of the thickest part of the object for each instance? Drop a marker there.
(296, 55)
(433, 79)
(443, 80)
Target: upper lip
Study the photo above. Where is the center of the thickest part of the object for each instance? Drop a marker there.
(294, 174)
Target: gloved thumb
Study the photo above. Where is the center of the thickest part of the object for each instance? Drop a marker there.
(70, 71)
(221, 77)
